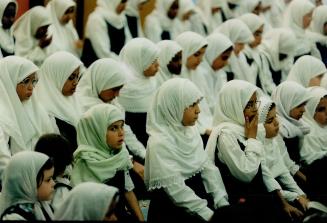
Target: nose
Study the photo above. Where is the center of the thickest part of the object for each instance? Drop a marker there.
(116, 94)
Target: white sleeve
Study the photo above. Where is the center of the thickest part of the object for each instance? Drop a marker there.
(289, 163)
(5, 153)
(96, 32)
(290, 187)
(129, 186)
(266, 79)
(243, 165)
(268, 179)
(214, 184)
(152, 28)
(135, 146)
(13, 217)
(311, 149)
(58, 196)
(37, 55)
(183, 196)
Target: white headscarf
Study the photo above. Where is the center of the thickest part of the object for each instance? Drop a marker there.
(64, 36)
(138, 54)
(25, 27)
(108, 10)
(87, 201)
(162, 7)
(297, 9)
(54, 72)
(306, 68)
(132, 8)
(278, 41)
(316, 29)
(24, 121)
(287, 96)
(232, 99)
(102, 75)
(217, 44)
(168, 49)
(19, 182)
(6, 36)
(253, 21)
(94, 160)
(183, 145)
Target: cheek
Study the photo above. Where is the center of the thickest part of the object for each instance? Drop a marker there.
(321, 118)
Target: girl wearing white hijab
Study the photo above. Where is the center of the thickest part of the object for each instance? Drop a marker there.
(89, 202)
(276, 175)
(23, 120)
(102, 156)
(298, 18)
(276, 52)
(317, 31)
(175, 144)
(8, 10)
(132, 12)
(194, 47)
(27, 186)
(106, 31)
(307, 71)
(30, 32)
(313, 145)
(162, 22)
(59, 76)
(170, 60)
(238, 32)
(65, 36)
(251, 52)
(141, 57)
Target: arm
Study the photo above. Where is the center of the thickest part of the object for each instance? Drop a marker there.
(133, 144)
(134, 205)
(291, 211)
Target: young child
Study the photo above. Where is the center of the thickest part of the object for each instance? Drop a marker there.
(276, 176)
(307, 71)
(102, 156)
(89, 201)
(8, 10)
(141, 57)
(61, 152)
(182, 179)
(27, 187)
(31, 38)
(59, 76)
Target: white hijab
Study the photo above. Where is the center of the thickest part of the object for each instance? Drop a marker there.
(138, 54)
(6, 36)
(232, 99)
(183, 149)
(316, 29)
(162, 7)
(102, 75)
(213, 20)
(25, 28)
(306, 68)
(168, 49)
(54, 72)
(24, 121)
(87, 201)
(107, 9)
(287, 96)
(64, 36)
(19, 182)
(132, 9)
(296, 10)
(276, 41)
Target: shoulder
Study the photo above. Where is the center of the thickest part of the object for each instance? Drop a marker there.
(19, 212)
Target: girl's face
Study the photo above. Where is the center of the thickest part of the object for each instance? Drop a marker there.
(307, 20)
(251, 108)
(320, 115)
(110, 94)
(315, 81)
(325, 29)
(173, 10)
(191, 114)
(25, 88)
(69, 14)
(115, 135)
(257, 37)
(71, 83)
(41, 32)
(298, 111)
(8, 17)
(194, 60)
(152, 69)
(46, 188)
(175, 65)
(271, 124)
(238, 47)
(121, 7)
(221, 60)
